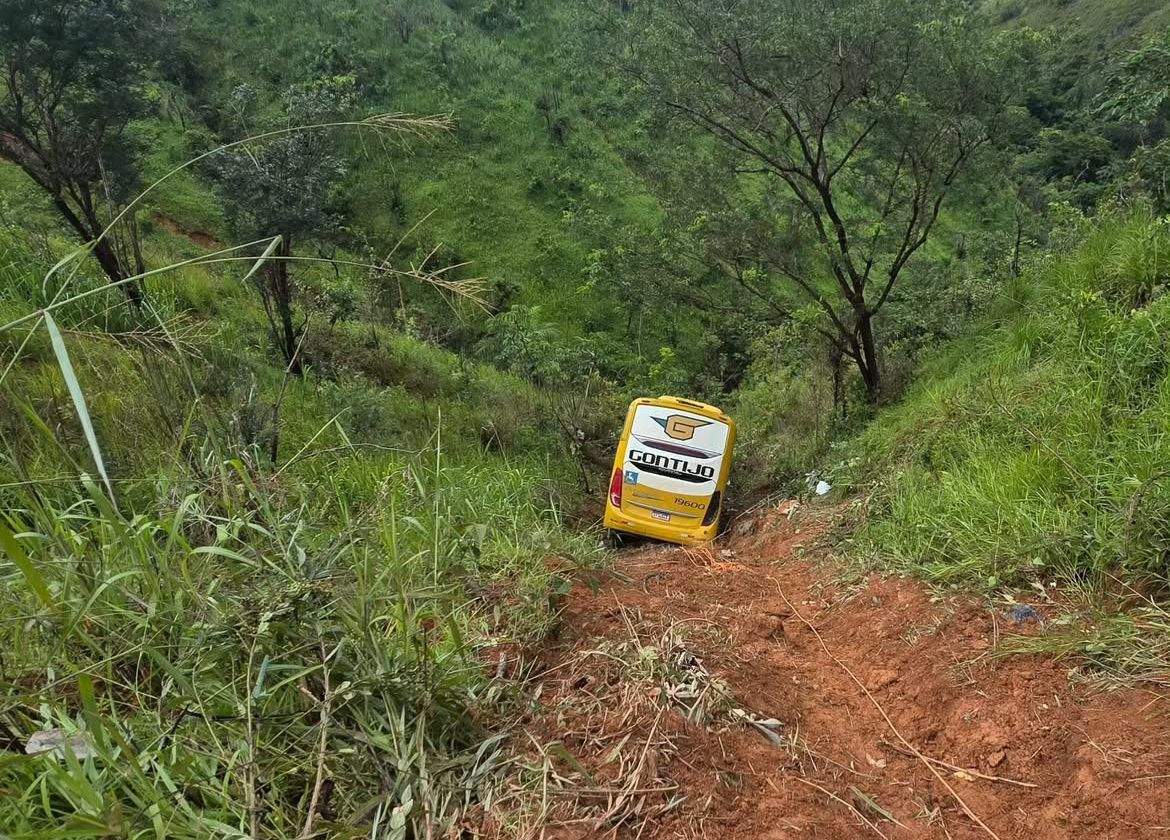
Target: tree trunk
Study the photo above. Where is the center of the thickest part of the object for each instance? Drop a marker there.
(835, 356)
(103, 252)
(282, 292)
(867, 359)
(112, 266)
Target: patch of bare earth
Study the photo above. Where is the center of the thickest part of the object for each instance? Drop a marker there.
(201, 238)
(741, 692)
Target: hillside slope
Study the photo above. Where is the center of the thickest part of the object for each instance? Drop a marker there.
(1037, 453)
(212, 569)
(527, 157)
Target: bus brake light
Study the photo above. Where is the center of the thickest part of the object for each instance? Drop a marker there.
(615, 489)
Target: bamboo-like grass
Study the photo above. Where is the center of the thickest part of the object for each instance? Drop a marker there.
(237, 648)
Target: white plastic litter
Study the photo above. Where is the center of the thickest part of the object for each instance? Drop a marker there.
(822, 488)
(56, 741)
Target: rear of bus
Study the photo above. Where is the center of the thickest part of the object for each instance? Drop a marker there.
(670, 470)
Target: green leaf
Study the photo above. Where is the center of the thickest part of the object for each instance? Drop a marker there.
(78, 398)
(14, 551)
(272, 246)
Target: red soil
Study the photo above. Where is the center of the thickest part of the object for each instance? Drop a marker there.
(198, 237)
(1099, 762)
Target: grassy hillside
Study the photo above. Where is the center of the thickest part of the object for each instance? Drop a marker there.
(1103, 24)
(214, 571)
(243, 597)
(247, 602)
(527, 154)
(1037, 453)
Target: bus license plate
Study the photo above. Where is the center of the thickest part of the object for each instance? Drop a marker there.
(659, 515)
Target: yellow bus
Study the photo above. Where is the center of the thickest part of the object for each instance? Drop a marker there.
(670, 471)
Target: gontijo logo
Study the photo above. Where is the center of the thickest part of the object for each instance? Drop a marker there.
(681, 427)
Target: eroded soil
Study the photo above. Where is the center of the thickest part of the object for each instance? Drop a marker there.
(746, 692)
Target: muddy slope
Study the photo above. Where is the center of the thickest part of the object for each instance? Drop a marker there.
(742, 692)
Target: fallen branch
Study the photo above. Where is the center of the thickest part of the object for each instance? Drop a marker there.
(958, 769)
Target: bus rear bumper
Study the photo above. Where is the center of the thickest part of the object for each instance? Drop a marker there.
(660, 531)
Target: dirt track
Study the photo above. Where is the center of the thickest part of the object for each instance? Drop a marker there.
(728, 634)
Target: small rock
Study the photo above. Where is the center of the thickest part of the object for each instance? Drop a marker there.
(1022, 613)
(726, 553)
(996, 758)
(822, 488)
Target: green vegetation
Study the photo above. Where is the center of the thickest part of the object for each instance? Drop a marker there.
(860, 126)
(216, 647)
(217, 568)
(1038, 449)
(273, 512)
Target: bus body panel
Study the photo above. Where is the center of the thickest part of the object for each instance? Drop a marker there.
(672, 460)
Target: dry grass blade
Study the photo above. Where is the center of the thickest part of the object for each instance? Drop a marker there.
(473, 290)
(631, 795)
(421, 127)
(868, 823)
(181, 333)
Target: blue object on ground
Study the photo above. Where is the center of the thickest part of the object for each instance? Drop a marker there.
(1022, 612)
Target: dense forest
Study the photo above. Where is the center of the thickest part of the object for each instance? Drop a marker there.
(320, 318)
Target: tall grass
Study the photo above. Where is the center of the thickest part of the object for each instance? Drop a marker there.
(214, 642)
(1041, 450)
(245, 645)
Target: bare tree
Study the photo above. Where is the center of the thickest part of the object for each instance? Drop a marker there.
(865, 114)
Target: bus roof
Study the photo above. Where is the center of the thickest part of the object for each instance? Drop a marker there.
(687, 405)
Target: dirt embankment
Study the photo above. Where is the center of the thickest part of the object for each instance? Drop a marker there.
(204, 240)
(743, 692)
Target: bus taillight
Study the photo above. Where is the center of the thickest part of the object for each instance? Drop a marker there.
(615, 489)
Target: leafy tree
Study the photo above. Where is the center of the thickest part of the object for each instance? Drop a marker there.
(287, 187)
(1139, 85)
(523, 342)
(860, 117)
(497, 15)
(74, 73)
(1139, 94)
